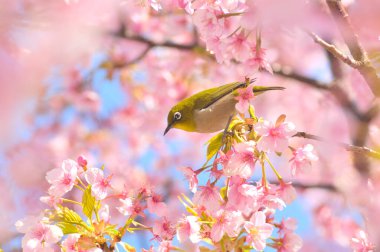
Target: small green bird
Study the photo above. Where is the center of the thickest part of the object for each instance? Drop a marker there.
(209, 110)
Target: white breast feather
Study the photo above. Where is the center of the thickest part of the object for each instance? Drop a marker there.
(215, 117)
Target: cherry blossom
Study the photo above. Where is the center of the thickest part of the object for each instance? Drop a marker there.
(242, 162)
(155, 205)
(360, 242)
(302, 158)
(274, 137)
(244, 98)
(131, 207)
(242, 197)
(208, 196)
(189, 228)
(70, 243)
(290, 242)
(104, 213)
(41, 237)
(226, 222)
(164, 229)
(258, 230)
(191, 176)
(52, 201)
(99, 183)
(62, 179)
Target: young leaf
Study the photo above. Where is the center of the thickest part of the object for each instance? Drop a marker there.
(68, 220)
(88, 202)
(280, 119)
(214, 144)
(65, 214)
(252, 114)
(68, 228)
(112, 230)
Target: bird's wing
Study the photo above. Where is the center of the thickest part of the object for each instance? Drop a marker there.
(215, 94)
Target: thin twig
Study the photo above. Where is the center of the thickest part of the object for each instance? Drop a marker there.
(278, 70)
(299, 185)
(336, 52)
(140, 57)
(348, 147)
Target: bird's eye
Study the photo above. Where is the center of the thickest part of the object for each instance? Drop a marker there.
(177, 116)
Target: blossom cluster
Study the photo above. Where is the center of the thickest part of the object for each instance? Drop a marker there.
(232, 211)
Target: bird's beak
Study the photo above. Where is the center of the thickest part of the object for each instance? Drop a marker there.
(168, 128)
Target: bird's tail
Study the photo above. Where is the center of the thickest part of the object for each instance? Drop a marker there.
(261, 89)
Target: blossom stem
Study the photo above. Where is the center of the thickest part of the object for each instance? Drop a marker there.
(81, 182)
(71, 201)
(264, 175)
(97, 203)
(126, 225)
(274, 169)
(79, 187)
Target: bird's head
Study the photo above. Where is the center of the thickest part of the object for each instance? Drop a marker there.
(181, 116)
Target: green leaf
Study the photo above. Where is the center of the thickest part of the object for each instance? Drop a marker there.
(64, 214)
(251, 111)
(67, 228)
(88, 202)
(68, 220)
(223, 192)
(214, 145)
(112, 231)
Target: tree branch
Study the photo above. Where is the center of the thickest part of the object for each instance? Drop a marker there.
(333, 88)
(328, 187)
(358, 53)
(336, 52)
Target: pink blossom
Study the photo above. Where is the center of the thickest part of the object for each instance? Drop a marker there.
(269, 197)
(287, 192)
(244, 98)
(82, 161)
(242, 197)
(164, 229)
(226, 222)
(131, 207)
(274, 137)
(258, 61)
(40, 237)
(155, 205)
(239, 46)
(302, 158)
(242, 162)
(99, 183)
(208, 23)
(51, 200)
(258, 230)
(360, 242)
(165, 246)
(189, 228)
(191, 176)
(62, 179)
(186, 4)
(70, 243)
(287, 226)
(104, 213)
(217, 45)
(208, 196)
(290, 243)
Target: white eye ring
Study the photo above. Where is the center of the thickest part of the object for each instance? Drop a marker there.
(177, 116)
